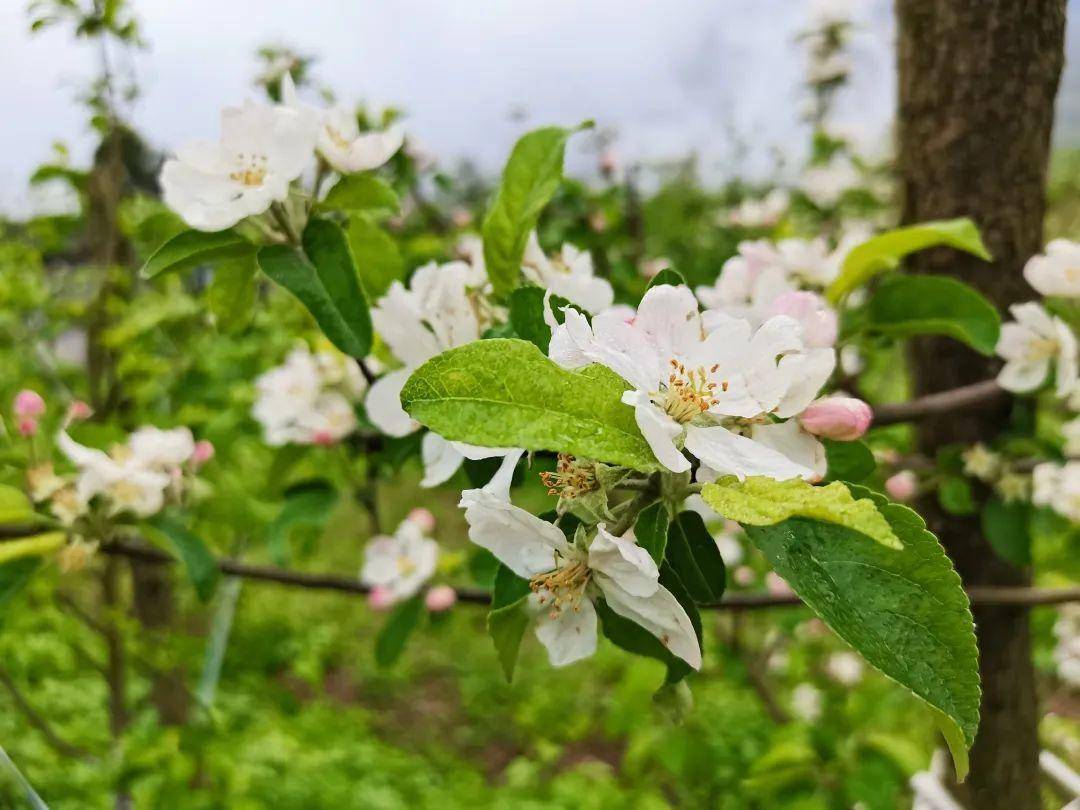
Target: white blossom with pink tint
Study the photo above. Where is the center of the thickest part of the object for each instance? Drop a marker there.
(400, 563)
(902, 486)
(440, 598)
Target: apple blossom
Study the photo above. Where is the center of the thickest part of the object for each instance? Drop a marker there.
(339, 139)
(981, 463)
(78, 411)
(1058, 487)
(806, 702)
(440, 598)
(825, 185)
(712, 391)
(566, 579)
(28, 404)
(400, 563)
(120, 477)
(763, 213)
(846, 668)
(843, 419)
(569, 275)
(423, 518)
(818, 320)
(902, 486)
(1031, 345)
(262, 149)
(1056, 272)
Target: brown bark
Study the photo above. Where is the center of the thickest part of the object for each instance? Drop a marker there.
(977, 82)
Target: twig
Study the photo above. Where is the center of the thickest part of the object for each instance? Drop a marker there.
(982, 595)
(967, 396)
(57, 743)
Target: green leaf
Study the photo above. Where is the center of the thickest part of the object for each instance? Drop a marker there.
(759, 501)
(289, 268)
(400, 624)
(360, 192)
(306, 507)
(1006, 528)
(200, 564)
(232, 293)
(694, 556)
(328, 249)
(192, 248)
(668, 276)
(378, 259)
(905, 611)
(36, 546)
(651, 530)
(884, 252)
(848, 461)
(634, 638)
(955, 495)
(529, 181)
(15, 507)
(505, 393)
(508, 618)
(934, 305)
(527, 314)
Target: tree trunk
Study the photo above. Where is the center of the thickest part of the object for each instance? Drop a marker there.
(977, 81)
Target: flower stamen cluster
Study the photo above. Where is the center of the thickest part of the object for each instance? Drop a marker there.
(564, 586)
(688, 393)
(571, 479)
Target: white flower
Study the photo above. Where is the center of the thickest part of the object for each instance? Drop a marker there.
(212, 186)
(806, 702)
(749, 283)
(161, 449)
(122, 478)
(340, 141)
(1057, 272)
(846, 668)
(825, 185)
(1057, 486)
(567, 578)
(1031, 345)
(308, 399)
(763, 213)
(569, 275)
(400, 563)
(703, 388)
(981, 463)
(811, 260)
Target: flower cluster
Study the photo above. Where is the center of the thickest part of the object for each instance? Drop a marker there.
(309, 398)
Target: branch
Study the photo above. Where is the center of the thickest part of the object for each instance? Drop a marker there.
(968, 396)
(1023, 596)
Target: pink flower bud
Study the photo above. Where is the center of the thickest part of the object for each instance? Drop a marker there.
(841, 418)
(440, 598)
(323, 438)
(817, 318)
(902, 486)
(203, 452)
(744, 575)
(380, 598)
(609, 162)
(29, 404)
(28, 427)
(423, 518)
(79, 410)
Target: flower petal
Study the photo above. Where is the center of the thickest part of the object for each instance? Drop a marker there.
(523, 542)
(570, 635)
(732, 454)
(383, 404)
(659, 430)
(660, 614)
(795, 444)
(441, 459)
(622, 560)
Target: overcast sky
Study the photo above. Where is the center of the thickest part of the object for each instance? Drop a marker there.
(669, 76)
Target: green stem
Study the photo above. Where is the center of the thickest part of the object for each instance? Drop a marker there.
(281, 217)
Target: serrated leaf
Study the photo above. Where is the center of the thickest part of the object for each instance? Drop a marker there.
(399, 625)
(290, 269)
(760, 501)
(905, 611)
(505, 393)
(668, 276)
(192, 248)
(848, 461)
(37, 545)
(360, 192)
(328, 250)
(695, 558)
(532, 174)
(232, 293)
(378, 260)
(200, 564)
(934, 305)
(651, 530)
(884, 252)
